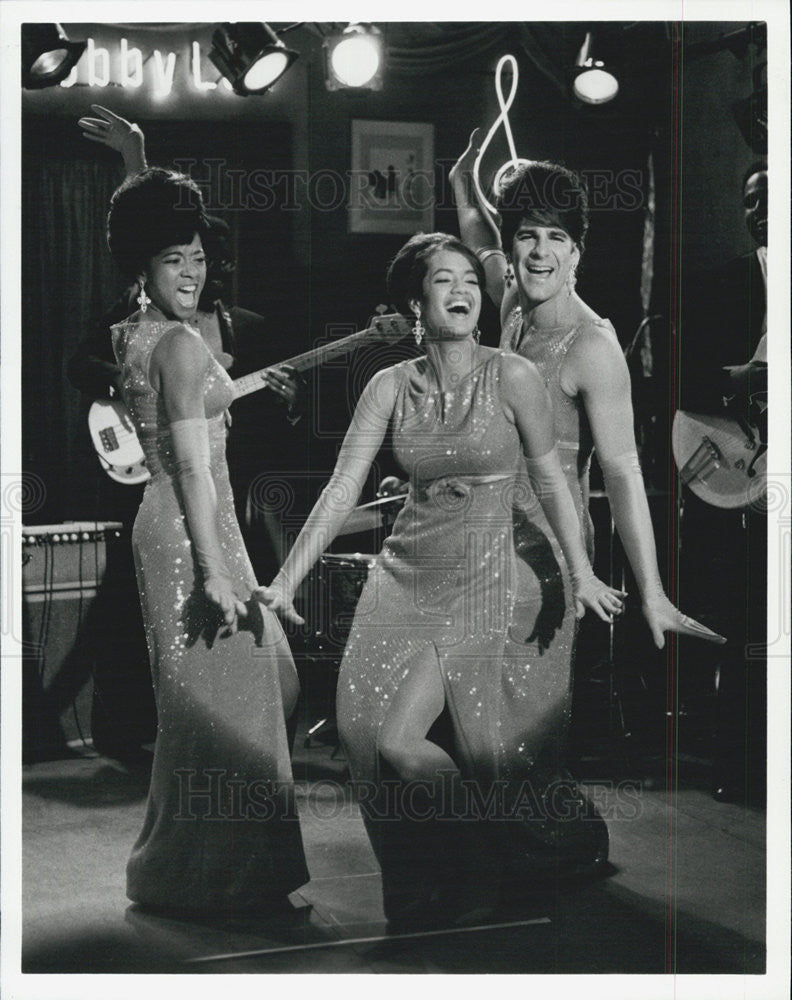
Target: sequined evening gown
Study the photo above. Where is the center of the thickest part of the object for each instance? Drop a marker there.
(471, 581)
(220, 831)
(544, 606)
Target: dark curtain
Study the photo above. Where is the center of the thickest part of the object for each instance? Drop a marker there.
(68, 278)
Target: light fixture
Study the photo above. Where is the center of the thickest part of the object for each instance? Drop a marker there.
(353, 58)
(250, 56)
(594, 82)
(47, 55)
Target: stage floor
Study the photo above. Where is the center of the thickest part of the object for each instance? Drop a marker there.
(686, 893)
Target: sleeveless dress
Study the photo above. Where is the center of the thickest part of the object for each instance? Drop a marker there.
(220, 830)
(471, 578)
(546, 690)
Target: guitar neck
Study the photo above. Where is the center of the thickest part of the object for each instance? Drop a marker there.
(387, 328)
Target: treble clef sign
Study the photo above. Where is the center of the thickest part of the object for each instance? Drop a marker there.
(514, 162)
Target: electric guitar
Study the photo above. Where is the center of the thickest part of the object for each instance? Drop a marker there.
(721, 458)
(113, 432)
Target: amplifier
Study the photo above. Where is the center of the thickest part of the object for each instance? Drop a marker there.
(63, 568)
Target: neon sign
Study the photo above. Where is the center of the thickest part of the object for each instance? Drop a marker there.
(126, 66)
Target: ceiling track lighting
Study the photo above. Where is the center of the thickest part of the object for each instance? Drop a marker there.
(250, 56)
(354, 58)
(47, 55)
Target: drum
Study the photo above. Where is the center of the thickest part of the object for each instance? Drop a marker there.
(340, 581)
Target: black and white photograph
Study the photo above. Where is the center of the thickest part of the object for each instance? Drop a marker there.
(396, 505)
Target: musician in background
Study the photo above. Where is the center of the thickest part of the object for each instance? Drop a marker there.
(123, 716)
(724, 371)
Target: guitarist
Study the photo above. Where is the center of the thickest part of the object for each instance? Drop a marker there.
(724, 370)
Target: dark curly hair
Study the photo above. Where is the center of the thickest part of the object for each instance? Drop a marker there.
(155, 209)
(547, 194)
(408, 268)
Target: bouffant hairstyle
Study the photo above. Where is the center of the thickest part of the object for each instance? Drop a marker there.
(548, 195)
(408, 268)
(155, 209)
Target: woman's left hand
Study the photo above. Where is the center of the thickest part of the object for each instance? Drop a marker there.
(603, 600)
(279, 599)
(661, 616)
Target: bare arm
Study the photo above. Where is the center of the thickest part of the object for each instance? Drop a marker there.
(361, 444)
(178, 365)
(478, 229)
(524, 393)
(115, 132)
(599, 373)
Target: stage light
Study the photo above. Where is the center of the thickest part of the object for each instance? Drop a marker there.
(594, 82)
(353, 58)
(250, 56)
(47, 55)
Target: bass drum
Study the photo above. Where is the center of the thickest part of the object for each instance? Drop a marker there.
(340, 580)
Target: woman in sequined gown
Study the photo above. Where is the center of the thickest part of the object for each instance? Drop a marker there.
(543, 224)
(220, 831)
(435, 615)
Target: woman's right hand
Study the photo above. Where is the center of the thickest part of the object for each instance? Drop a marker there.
(278, 597)
(603, 600)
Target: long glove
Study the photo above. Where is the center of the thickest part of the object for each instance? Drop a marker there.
(550, 485)
(625, 488)
(193, 471)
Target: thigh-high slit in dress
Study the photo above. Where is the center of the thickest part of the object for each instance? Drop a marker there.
(472, 581)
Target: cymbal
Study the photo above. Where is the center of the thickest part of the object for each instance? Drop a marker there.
(383, 502)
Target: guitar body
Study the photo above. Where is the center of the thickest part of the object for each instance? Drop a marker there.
(116, 443)
(723, 461)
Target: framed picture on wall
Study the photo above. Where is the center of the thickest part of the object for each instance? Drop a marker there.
(392, 180)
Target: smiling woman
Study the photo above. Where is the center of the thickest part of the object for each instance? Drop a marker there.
(174, 278)
(433, 623)
(531, 276)
(221, 705)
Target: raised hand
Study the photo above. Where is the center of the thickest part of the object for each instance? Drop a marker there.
(603, 600)
(116, 133)
(464, 165)
(661, 616)
(278, 598)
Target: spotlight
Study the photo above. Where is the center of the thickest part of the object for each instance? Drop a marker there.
(250, 56)
(353, 58)
(47, 55)
(594, 83)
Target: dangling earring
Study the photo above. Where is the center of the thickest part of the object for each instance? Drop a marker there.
(143, 299)
(418, 328)
(476, 333)
(509, 275)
